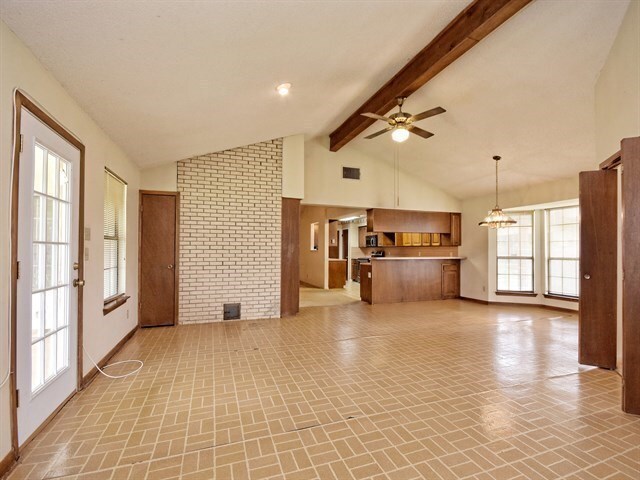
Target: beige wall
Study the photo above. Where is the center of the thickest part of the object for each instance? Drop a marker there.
(20, 69)
(324, 184)
(617, 104)
(163, 178)
(313, 264)
(617, 94)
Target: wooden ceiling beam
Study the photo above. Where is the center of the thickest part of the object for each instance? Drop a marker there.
(470, 26)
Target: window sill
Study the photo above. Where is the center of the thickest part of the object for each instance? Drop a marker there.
(114, 303)
(561, 297)
(517, 294)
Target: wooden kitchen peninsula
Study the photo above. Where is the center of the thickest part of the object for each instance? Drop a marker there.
(410, 279)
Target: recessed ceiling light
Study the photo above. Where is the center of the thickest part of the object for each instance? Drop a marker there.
(283, 89)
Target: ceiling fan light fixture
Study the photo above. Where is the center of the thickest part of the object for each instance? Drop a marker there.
(496, 217)
(400, 134)
(283, 89)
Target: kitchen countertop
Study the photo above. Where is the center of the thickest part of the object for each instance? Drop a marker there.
(337, 259)
(417, 258)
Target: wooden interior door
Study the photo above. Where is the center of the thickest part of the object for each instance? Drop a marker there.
(158, 258)
(598, 268)
(631, 280)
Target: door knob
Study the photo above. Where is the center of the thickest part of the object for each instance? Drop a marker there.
(78, 283)
(170, 267)
(586, 276)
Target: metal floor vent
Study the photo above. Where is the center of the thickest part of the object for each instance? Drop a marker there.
(231, 311)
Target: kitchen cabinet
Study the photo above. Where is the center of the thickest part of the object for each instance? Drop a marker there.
(337, 273)
(391, 220)
(416, 239)
(450, 281)
(456, 229)
(362, 237)
(426, 239)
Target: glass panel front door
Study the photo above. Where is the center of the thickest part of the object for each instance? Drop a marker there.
(51, 233)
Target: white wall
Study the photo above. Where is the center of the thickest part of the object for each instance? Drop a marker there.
(293, 166)
(475, 281)
(324, 184)
(617, 105)
(19, 68)
(163, 178)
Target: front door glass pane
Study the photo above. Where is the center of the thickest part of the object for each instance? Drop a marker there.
(51, 236)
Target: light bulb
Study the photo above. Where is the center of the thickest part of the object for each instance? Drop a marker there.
(283, 89)
(400, 134)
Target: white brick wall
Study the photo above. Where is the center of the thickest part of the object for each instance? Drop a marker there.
(230, 214)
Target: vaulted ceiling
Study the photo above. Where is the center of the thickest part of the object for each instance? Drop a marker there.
(169, 79)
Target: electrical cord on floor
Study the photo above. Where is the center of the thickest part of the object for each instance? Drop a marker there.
(101, 370)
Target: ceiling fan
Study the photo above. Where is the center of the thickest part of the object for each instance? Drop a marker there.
(402, 122)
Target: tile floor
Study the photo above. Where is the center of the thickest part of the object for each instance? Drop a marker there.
(318, 297)
(436, 390)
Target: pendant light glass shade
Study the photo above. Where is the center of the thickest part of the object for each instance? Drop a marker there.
(496, 217)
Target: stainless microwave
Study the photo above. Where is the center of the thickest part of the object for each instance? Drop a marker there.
(372, 240)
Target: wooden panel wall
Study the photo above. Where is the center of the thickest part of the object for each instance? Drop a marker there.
(290, 258)
(631, 269)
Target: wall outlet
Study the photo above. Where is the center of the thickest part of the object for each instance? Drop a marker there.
(127, 313)
(86, 254)
(87, 234)
(484, 289)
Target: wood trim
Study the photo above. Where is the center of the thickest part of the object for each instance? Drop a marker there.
(290, 257)
(102, 362)
(612, 162)
(516, 294)
(21, 100)
(563, 298)
(513, 304)
(176, 269)
(115, 303)
(631, 282)
(470, 26)
(116, 176)
(474, 300)
(7, 464)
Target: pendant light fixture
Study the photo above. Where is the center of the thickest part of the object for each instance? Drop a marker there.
(497, 218)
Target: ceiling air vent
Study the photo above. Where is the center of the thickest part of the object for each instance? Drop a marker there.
(350, 172)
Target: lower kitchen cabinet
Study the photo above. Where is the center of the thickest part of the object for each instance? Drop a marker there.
(450, 281)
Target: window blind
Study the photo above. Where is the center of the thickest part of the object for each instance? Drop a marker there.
(115, 220)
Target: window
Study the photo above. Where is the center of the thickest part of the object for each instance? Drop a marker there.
(563, 252)
(115, 220)
(515, 254)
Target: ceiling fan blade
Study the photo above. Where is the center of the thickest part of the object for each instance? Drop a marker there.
(419, 131)
(374, 135)
(378, 117)
(427, 114)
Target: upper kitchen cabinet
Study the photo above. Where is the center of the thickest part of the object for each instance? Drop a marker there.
(385, 220)
(362, 237)
(456, 229)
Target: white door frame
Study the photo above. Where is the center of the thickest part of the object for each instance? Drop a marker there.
(22, 101)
